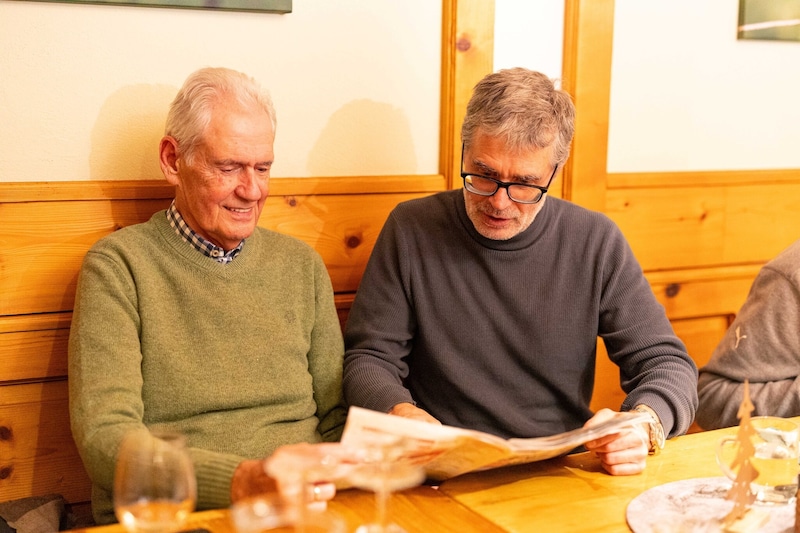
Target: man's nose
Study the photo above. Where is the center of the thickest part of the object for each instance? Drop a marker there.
(250, 186)
(500, 199)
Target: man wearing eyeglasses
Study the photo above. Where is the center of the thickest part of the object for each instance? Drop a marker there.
(481, 307)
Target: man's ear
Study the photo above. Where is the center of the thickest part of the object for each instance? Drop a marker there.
(168, 158)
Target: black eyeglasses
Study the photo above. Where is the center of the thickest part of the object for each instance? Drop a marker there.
(518, 192)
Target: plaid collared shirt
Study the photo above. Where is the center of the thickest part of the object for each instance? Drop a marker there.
(203, 246)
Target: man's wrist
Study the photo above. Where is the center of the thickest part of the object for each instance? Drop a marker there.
(655, 430)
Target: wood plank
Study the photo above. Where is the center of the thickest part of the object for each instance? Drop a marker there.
(342, 228)
(53, 191)
(700, 178)
(45, 242)
(40, 322)
(704, 297)
(468, 49)
(675, 228)
(33, 355)
(37, 453)
(588, 36)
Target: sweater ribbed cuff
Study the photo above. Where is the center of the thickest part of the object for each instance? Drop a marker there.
(214, 472)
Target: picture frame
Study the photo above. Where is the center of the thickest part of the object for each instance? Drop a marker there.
(260, 6)
(771, 20)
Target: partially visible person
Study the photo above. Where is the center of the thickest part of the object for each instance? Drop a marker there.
(201, 322)
(481, 308)
(762, 346)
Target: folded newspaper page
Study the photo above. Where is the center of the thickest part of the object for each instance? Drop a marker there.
(447, 451)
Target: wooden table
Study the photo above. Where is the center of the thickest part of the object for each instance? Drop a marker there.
(569, 494)
(573, 493)
(421, 509)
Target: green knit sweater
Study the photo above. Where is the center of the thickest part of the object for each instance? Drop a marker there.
(240, 357)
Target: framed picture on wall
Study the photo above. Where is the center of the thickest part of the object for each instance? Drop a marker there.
(772, 20)
(267, 6)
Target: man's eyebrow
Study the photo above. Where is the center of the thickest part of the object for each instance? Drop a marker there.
(234, 162)
(485, 169)
(488, 171)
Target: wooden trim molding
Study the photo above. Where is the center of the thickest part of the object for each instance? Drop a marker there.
(588, 36)
(467, 56)
(643, 180)
(136, 189)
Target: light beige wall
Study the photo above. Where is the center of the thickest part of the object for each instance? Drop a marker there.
(687, 95)
(529, 33)
(84, 88)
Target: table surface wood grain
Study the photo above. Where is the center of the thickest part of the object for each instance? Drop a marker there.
(574, 493)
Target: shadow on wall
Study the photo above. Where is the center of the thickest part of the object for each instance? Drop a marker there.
(127, 132)
(364, 138)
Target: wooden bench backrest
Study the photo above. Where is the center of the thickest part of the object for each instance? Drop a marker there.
(46, 229)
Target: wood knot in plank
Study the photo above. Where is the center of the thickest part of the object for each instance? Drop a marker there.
(5, 472)
(673, 289)
(291, 201)
(463, 44)
(352, 241)
(5, 433)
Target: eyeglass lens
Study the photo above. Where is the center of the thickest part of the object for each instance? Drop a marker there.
(487, 187)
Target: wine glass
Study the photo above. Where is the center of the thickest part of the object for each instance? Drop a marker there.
(274, 514)
(383, 471)
(154, 484)
(297, 468)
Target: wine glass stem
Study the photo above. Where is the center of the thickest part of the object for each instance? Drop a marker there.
(382, 506)
(302, 512)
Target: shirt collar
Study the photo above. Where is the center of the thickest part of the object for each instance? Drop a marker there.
(197, 242)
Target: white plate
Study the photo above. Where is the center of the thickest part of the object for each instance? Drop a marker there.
(698, 505)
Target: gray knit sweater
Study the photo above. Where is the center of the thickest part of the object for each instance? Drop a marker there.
(500, 336)
(762, 345)
(240, 357)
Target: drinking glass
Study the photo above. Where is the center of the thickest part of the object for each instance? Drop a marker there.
(154, 483)
(383, 471)
(269, 513)
(297, 469)
(775, 446)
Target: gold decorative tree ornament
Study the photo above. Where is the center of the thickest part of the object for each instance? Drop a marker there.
(740, 492)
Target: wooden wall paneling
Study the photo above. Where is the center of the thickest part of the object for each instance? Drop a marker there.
(702, 178)
(704, 292)
(588, 35)
(467, 56)
(33, 355)
(43, 245)
(701, 335)
(671, 228)
(687, 227)
(761, 220)
(342, 228)
(37, 453)
(44, 242)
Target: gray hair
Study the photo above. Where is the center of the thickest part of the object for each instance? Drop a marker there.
(190, 112)
(523, 107)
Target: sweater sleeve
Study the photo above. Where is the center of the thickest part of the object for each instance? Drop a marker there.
(762, 346)
(655, 368)
(380, 328)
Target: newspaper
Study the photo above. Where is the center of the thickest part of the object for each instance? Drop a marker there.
(447, 451)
